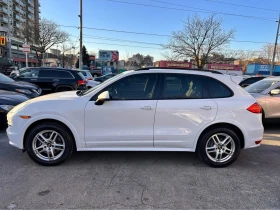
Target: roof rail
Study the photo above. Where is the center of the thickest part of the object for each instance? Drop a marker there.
(202, 70)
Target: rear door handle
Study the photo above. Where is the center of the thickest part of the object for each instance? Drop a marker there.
(56, 80)
(206, 107)
(33, 79)
(146, 107)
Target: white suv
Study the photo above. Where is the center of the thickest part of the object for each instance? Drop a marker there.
(143, 110)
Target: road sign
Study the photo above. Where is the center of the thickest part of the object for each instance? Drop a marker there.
(26, 48)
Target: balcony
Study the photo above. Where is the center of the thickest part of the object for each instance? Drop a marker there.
(3, 10)
(21, 12)
(30, 2)
(5, 2)
(17, 17)
(17, 1)
(31, 10)
(17, 25)
(16, 8)
(4, 19)
(21, 3)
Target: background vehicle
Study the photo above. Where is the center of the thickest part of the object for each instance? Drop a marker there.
(143, 110)
(8, 100)
(95, 72)
(52, 80)
(267, 94)
(28, 89)
(104, 78)
(248, 81)
(88, 76)
(8, 70)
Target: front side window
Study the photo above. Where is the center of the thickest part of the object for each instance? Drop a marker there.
(29, 73)
(183, 86)
(134, 87)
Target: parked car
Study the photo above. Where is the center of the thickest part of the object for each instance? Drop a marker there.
(9, 100)
(52, 80)
(248, 81)
(90, 82)
(142, 110)
(28, 89)
(104, 78)
(95, 72)
(267, 94)
(8, 70)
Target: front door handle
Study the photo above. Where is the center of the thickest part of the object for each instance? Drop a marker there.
(146, 107)
(56, 80)
(206, 107)
(33, 79)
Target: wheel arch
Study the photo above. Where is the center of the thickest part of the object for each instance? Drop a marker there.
(32, 125)
(63, 86)
(235, 128)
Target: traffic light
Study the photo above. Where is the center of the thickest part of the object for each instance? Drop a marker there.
(2, 40)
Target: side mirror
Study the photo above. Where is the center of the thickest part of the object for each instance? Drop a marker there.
(102, 97)
(275, 92)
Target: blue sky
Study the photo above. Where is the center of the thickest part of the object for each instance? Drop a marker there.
(126, 17)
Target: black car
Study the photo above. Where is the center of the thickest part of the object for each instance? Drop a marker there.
(8, 100)
(28, 89)
(248, 81)
(104, 78)
(52, 80)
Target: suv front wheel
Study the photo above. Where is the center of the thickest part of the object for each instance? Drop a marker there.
(219, 147)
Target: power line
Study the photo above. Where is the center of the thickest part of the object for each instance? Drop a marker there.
(161, 7)
(124, 45)
(240, 5)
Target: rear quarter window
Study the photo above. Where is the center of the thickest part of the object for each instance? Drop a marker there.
(218, 89)
(80, 74)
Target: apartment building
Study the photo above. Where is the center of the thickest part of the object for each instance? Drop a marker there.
(19, 20)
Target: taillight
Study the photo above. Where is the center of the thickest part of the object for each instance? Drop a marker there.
(82, 82)
(255, 108)
(89, 78)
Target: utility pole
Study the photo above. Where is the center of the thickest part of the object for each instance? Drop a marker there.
(275, 48)
(81, 36)
(9, 37)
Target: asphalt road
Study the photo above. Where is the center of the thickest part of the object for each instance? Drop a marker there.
(142, 180)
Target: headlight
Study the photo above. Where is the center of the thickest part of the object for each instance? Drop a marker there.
(23, 91)
(6, 107)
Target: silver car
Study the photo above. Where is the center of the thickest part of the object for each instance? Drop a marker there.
(267, 93)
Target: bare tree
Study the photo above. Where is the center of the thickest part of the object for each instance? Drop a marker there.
(199, 38)
(49, 35)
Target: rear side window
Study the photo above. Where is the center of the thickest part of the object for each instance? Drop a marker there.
(64, 75)
(48, 74)
(251, 80)
(183, 86)
(81, 75)
(217, 89)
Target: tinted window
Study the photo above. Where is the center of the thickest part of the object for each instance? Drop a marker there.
(251, 80)
(260, 86)
(217, 89)
(64, 74)
(81, 75)
(48, 74)
(29, 73)
(134, 87)
(4, 78)
(183, 86)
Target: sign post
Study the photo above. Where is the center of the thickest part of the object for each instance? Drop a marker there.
(26, 49)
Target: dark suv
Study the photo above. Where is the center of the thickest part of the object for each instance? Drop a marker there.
(52, 80)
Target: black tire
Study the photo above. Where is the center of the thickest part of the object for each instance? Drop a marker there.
(53, 126)
(205, 139)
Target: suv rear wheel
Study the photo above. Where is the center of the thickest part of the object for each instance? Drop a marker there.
(219, 147)
(49, 144)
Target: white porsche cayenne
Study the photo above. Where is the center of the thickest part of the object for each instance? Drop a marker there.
(143, 110)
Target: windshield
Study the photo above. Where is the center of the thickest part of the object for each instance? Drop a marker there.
(102, 84)
(260, 86)
(4, 78)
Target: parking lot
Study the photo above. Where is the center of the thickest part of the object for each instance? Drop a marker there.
(142, 180)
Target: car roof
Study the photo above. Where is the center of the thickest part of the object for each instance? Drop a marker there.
(180, 69)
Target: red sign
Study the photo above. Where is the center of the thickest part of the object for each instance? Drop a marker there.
(173, 64)
(220, 66)
(26, 48)
(92, 57)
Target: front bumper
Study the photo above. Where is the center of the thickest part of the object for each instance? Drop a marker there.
(15, 138)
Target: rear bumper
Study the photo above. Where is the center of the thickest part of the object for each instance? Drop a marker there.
(253, 135)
